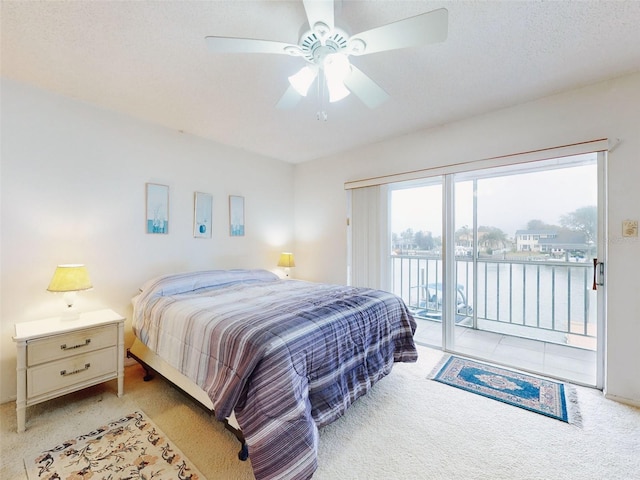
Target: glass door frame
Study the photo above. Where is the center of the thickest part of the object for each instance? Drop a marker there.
(603, 242)
(597, 146)
(450, 266)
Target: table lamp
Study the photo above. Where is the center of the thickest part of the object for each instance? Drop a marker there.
(70, 279)
(286, 261)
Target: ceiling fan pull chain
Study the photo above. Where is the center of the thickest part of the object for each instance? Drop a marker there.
(322, 100)
(321, 114)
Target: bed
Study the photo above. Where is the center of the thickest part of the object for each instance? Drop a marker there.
(273, 359)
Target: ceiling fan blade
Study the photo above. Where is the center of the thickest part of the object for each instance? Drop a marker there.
(290, 99)
(319, 11)
(250, 45)
(430, 27)
(371, 94)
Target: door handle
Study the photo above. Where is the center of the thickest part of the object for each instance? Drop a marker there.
(601, 273)
(598, 274)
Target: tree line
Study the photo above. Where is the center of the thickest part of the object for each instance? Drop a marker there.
(583, 220)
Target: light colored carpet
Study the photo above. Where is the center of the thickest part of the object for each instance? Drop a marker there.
(407, 427)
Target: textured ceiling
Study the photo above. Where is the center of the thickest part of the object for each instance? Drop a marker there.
(149, 59)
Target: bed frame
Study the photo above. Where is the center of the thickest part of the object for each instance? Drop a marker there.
(152, 364)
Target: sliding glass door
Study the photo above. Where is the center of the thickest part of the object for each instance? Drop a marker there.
(416, 253)
(498, 263)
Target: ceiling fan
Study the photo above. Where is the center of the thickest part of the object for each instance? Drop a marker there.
(326, 48)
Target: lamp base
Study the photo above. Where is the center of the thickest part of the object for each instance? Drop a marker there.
(70, 313)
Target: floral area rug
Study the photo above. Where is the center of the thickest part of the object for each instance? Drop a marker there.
(546, 397)
(131, 447)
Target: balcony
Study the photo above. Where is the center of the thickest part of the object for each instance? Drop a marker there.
(531, 312)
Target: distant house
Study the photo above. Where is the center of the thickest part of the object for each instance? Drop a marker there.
(564, 242)
(529, 240)
(550, 241)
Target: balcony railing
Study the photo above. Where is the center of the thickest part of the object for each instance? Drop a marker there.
(542, 299)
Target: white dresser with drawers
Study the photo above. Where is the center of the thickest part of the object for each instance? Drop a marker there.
(57, 356)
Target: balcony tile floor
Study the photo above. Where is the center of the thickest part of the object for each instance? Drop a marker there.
(564, 362)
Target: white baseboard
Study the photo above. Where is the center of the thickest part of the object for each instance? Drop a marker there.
(626, 401)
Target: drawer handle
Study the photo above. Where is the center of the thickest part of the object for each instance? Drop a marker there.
(64, 373)
(86, 342)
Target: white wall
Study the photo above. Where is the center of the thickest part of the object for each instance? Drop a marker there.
(73, 190)
(608, 109)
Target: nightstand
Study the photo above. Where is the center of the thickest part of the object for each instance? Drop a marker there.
(58, 356)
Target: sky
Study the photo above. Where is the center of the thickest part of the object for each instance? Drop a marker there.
(507, 202)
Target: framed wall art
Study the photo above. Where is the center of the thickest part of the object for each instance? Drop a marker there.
(202, 208)
(236, 216)
(157, 205)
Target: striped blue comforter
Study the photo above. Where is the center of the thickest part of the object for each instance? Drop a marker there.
(287, 356)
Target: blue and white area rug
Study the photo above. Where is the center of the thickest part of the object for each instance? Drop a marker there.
(553, 399)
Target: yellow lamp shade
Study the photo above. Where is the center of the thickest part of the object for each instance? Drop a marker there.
(286, 260)
(70, 278)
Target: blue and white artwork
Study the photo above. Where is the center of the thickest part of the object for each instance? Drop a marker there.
(157, 208)
(203, 206)
(236, 216)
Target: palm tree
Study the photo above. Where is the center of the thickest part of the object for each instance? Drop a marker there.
(492, 237)
(464, 237)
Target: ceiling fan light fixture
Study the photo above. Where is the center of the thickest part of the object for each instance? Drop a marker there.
(302, 80)
(337, 91)
(336, 68)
